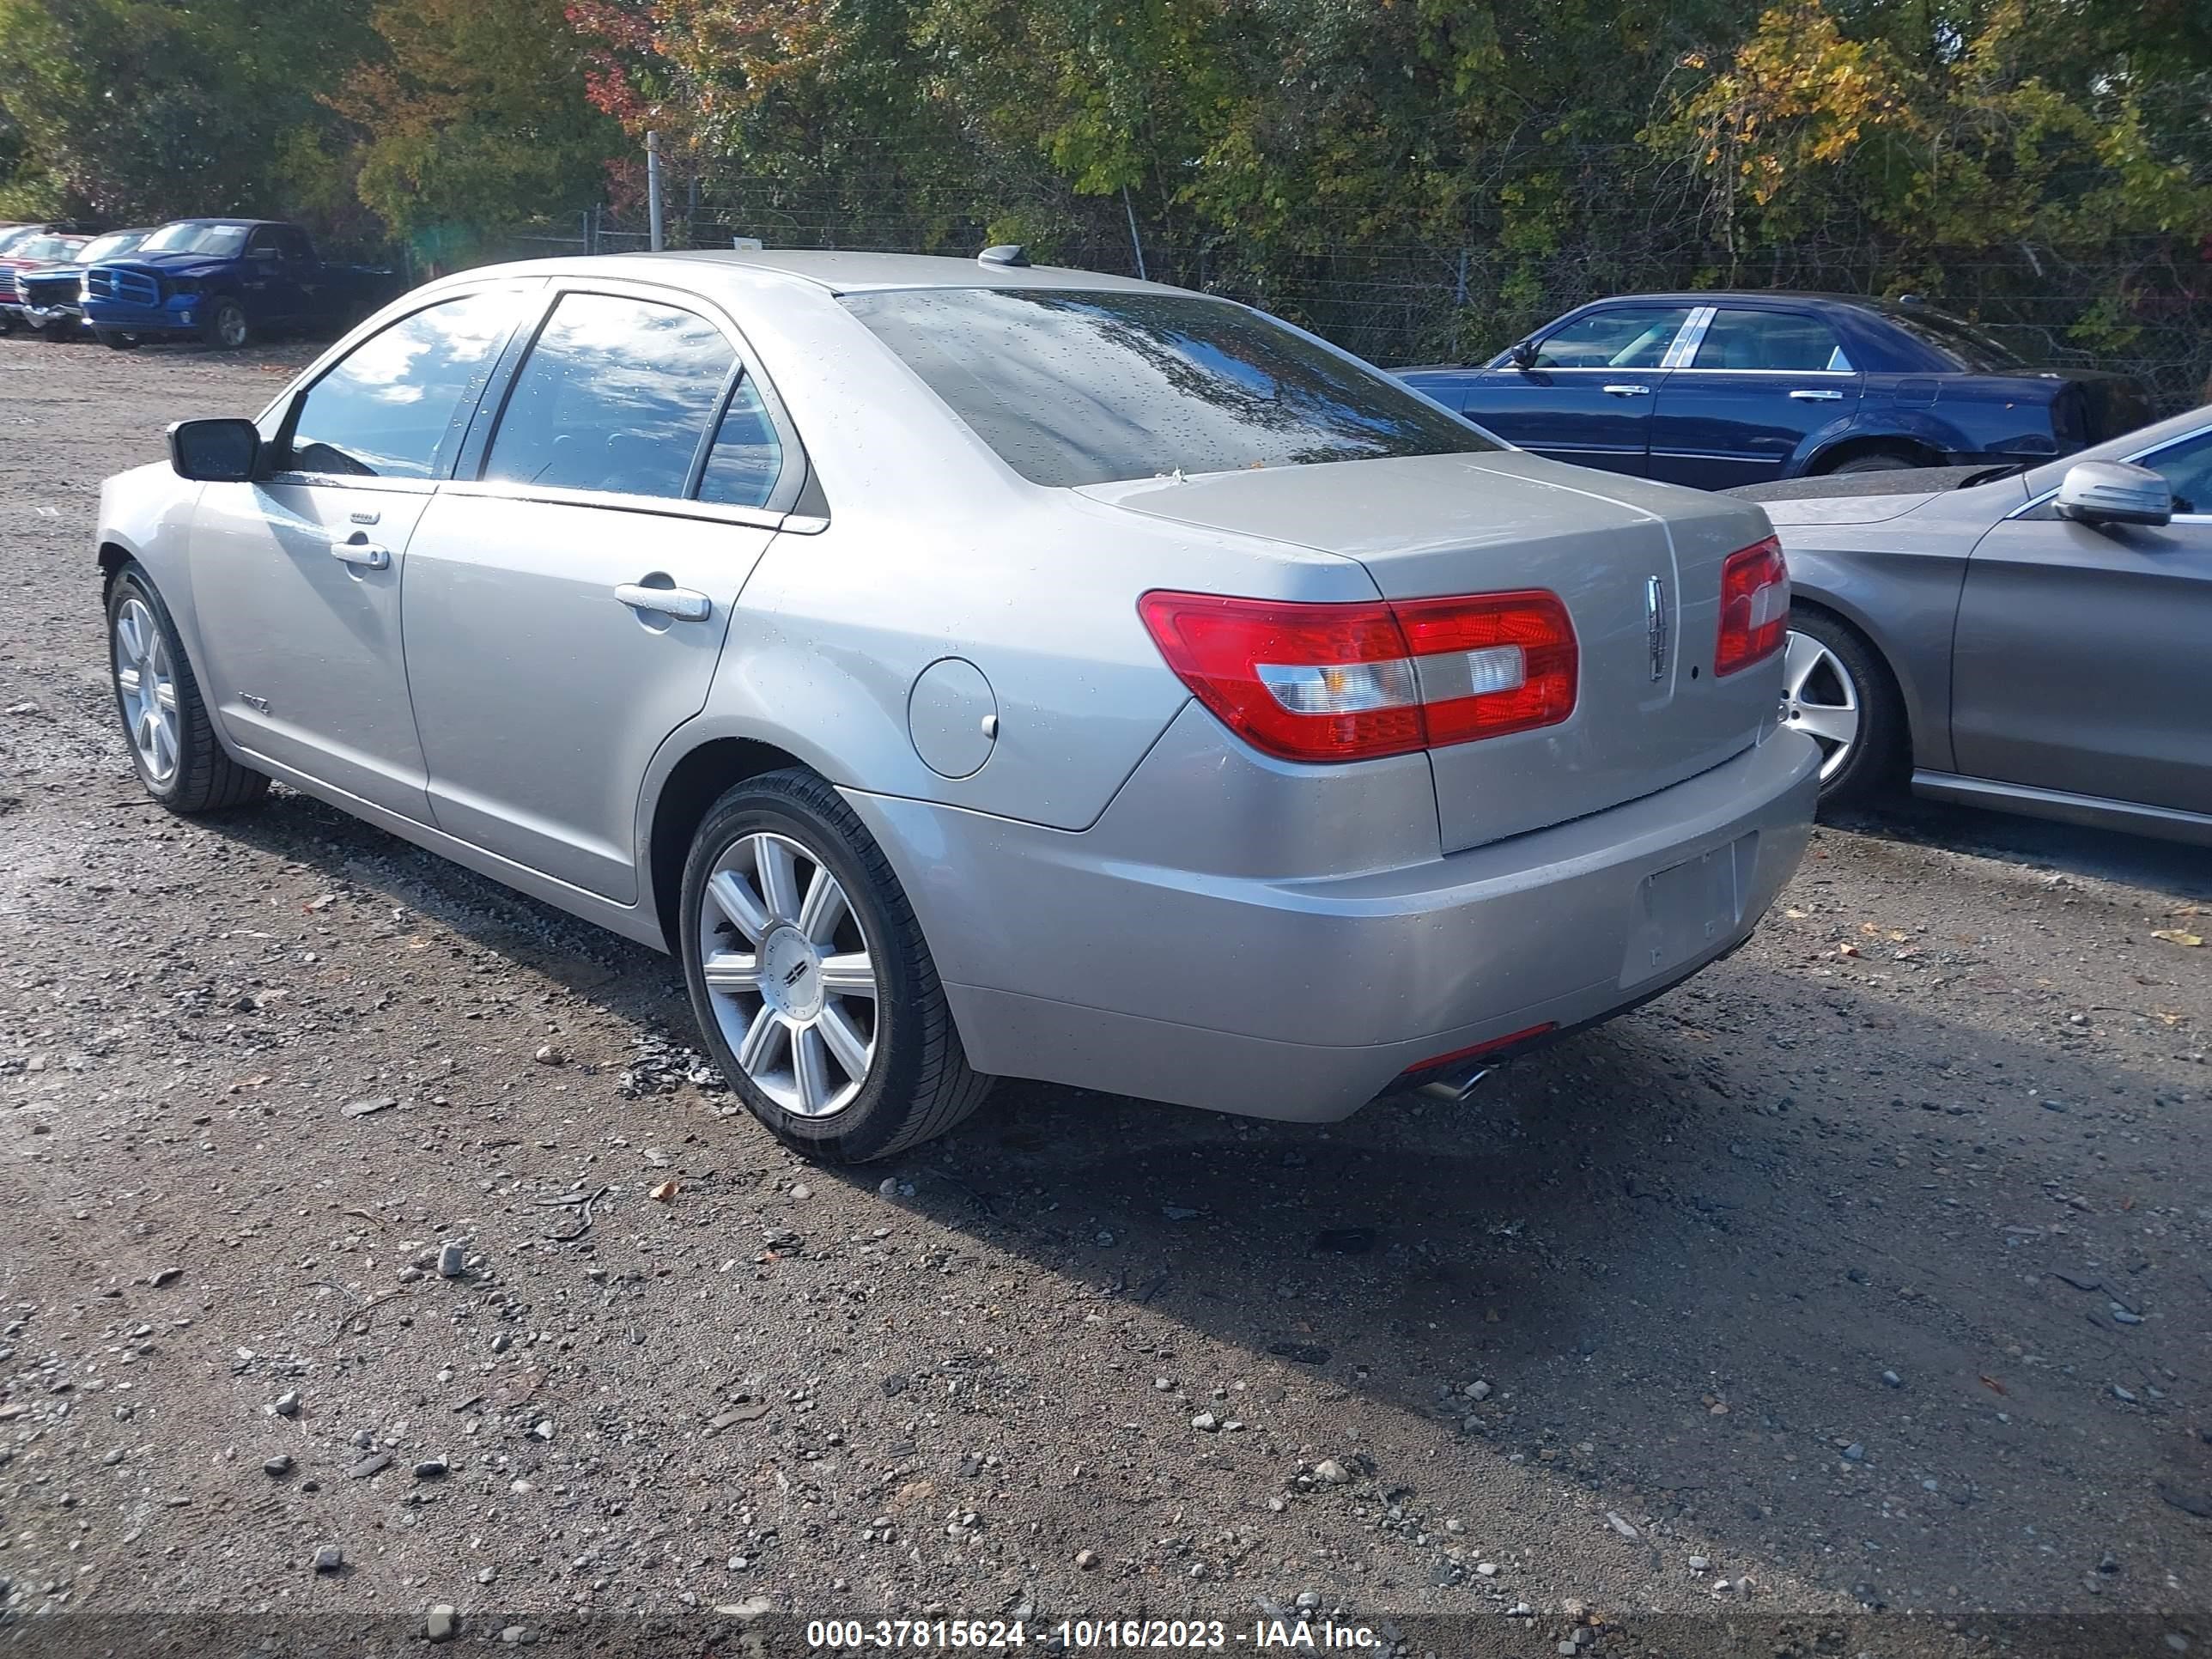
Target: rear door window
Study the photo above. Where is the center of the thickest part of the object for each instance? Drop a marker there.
(1786, 340)
(1623, 336)
(747, 457)
(616, 395)
(394, 405)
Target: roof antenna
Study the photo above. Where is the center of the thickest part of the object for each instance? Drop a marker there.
(1005, 253)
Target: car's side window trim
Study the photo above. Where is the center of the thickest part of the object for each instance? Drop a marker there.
(1689, 338)
(491, 401)
(673, 507)
(791, 482)
(280, 442)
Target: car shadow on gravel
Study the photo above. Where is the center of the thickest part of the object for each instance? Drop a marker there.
(2175, 868)
(1805, 1313)
(1778, 1258)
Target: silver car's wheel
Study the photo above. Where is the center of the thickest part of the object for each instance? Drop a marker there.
(146, 684)
(787, 966)
(1821, 699)
(812, 984)
(172, 740)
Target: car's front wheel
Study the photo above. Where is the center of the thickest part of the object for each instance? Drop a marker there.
(115, 342)
(809, 977)
(1837, 692)
(226, 324)
(172, 738)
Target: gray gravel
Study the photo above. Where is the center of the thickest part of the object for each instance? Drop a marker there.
(1767, 1297)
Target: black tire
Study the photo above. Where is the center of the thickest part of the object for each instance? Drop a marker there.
(225, 325)
(205, 778)
(1877, 460)
(1874, 764)
(114, 341)
(918, 1083)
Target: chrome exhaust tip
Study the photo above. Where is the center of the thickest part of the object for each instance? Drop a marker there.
(1455, 1086)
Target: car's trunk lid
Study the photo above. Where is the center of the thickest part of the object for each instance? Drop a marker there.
(1638, 564)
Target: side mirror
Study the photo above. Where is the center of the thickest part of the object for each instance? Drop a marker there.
(2113, 492)
(215, 451)
(1523, 355)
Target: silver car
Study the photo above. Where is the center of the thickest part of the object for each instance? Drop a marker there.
(969, 669)
(2039, 639)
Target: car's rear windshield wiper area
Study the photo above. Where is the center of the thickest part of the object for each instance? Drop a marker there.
(1075, 386)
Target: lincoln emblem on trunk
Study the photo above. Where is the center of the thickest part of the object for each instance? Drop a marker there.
(1654, 623)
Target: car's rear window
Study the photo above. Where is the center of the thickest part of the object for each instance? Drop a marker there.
(1968, 347)
(1084, 386)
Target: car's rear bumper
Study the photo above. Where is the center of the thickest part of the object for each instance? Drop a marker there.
(1086, 959)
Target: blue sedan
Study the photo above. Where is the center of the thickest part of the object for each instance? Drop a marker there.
(1721, 390)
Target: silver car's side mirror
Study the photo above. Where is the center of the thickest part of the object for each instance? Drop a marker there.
(2113, 492)
(220, 451)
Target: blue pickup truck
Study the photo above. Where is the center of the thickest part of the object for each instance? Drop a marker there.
(227, 282)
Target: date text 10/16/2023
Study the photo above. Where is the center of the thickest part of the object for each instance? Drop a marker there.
(1091, 1635)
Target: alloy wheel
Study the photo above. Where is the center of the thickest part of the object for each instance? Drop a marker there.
(230, 325)
(790, 974)
(147, 682)
(1821, 699)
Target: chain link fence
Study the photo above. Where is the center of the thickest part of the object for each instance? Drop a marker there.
(2140, 306)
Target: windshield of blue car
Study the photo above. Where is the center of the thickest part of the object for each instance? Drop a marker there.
(198, 236)
(1087, 386)
(1962, 343)
(113, 246)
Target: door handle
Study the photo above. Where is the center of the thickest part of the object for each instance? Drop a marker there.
(680, 603)
(1618, 391)
(365, 553)
(1808, 396)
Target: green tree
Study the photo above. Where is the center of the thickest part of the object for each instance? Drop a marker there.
(136, 109)
(474, 113)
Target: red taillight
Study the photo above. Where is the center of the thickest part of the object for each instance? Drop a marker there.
(1510, 1040)
(1755, 606)
(1354, 682)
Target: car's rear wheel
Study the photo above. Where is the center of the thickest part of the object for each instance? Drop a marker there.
(1837, 692)
(172, 738)
(1876, 460)
(809, 977)
(225, 325)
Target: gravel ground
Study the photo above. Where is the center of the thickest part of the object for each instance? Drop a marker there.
(1852, 1297)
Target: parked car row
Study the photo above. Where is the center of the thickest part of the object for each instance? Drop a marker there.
(1359, 750)
(227, 282)
(2001, 579)
(1723, 390)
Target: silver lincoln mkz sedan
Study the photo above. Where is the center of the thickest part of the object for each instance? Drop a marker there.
(971, 669)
